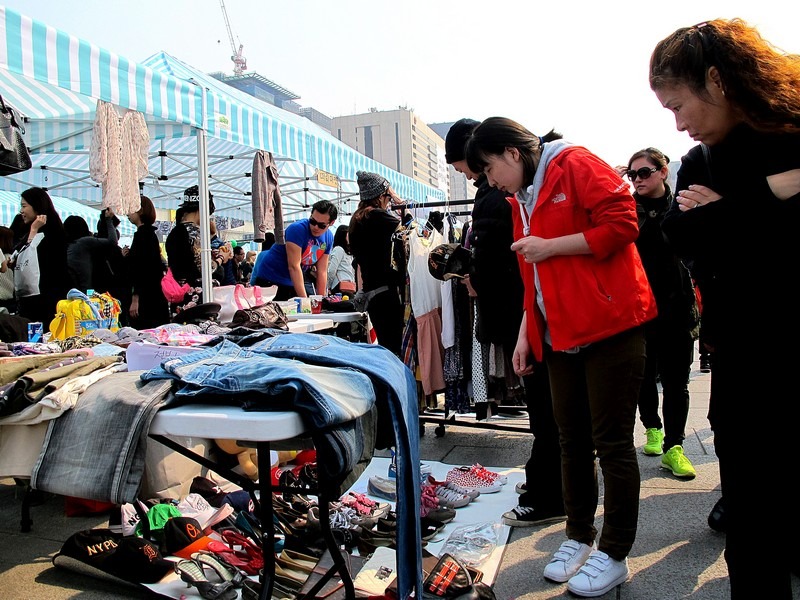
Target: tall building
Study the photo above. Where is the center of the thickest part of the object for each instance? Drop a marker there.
(461, 188)
(398, 139)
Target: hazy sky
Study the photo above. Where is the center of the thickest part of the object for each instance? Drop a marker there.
(580, 67)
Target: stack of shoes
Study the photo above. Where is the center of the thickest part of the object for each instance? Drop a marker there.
(428, 527)
(431, 507)
(473, 493)
(368, 511)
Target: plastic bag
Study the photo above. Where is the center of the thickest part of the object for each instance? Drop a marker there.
(472, 544)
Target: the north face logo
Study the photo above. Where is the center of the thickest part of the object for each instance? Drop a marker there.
(558, 198)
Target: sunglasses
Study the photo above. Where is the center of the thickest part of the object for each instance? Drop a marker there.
(315, 223)
(643, 173)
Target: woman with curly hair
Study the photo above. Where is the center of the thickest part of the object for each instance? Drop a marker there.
(735, 216)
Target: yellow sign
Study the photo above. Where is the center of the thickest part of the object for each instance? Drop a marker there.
(328, 179)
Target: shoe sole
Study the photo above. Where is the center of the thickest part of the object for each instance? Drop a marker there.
(595, 593)
(521, 523)
(687, 476)
(646, 453)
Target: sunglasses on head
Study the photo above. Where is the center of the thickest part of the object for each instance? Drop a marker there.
(643, 173)
(314, 223)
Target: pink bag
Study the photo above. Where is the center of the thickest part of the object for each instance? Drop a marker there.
(173, 291)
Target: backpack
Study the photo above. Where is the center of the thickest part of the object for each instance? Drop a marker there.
(76, 315)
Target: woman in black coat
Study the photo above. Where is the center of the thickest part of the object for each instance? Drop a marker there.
(148, 307)
(40, 258)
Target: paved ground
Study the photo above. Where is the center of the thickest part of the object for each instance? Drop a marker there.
(675, 556)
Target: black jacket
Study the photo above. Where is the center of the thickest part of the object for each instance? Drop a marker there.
(495, 271)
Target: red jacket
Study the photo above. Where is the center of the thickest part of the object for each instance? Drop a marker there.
(588, 297)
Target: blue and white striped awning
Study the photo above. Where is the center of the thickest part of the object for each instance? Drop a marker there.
(55, 80)
(236, 116)
(48, 56)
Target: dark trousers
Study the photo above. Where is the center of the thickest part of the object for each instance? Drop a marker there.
(594, 403)
(543, 469)
(670, 351)
(386, 313)
(753, 411)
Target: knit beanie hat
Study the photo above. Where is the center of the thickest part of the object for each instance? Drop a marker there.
(457, 138)
(371, 185)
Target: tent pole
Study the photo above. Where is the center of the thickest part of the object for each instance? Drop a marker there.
(205, 229)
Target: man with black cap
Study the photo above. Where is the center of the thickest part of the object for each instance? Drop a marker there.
(496, 279)
(184, 249)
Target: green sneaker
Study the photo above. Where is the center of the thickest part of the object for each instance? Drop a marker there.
(655, 439)
(676, 461)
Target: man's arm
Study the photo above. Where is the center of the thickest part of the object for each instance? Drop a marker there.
(293, 256)
(322, 275)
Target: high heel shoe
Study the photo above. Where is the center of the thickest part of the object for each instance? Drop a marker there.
(223, 569)
(192, 573)
(240, 559)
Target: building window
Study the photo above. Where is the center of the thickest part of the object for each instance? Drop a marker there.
(368, 148)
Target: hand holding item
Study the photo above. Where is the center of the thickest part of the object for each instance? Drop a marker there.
(125, 251)
(226, 252)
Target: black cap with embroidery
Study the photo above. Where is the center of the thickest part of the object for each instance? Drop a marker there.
(449, 260)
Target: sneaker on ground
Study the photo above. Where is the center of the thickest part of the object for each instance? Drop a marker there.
(482, 471)
(598, 575)
(471, 492)
(567, 560)
(382, 487)
(705, 364)
(527, 516)
(655, 441)
(464, 477)
(521, 487)
(675, 460)
(451, 498)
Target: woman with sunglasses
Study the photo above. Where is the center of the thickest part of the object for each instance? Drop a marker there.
(670, 336)
(585, 301)
(737, 214)
(308, 244)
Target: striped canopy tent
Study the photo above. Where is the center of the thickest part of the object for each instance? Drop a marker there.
(55, 80)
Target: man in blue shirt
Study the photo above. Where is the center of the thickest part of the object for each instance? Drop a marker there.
(308, 244)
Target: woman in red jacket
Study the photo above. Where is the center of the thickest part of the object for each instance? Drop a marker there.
(586, 298)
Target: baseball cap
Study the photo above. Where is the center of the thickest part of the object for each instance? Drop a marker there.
(157, 517)
(129, 558)
(208, 489)
(197, 507)
(183, 536)
(449, 260)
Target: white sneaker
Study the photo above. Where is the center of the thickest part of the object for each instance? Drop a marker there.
(598, 575)
(567, 560)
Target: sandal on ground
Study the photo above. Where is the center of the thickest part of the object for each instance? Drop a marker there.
(192, 573)
(223, 570)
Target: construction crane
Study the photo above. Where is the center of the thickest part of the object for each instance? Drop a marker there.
(239, 61)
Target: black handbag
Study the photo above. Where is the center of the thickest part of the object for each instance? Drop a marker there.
(14, 155)
(264, 316)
